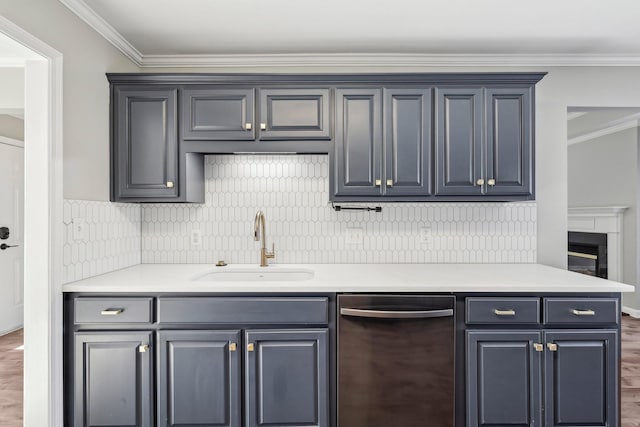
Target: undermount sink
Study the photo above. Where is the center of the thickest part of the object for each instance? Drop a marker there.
(257, 274)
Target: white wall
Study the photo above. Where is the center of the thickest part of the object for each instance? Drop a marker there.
(87, 57)
(11, 89)
(11, 127)
(602, 172)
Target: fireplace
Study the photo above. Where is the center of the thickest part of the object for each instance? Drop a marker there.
(588, 253)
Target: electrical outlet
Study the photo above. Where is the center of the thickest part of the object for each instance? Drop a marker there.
(354, 236)
(426, 237)
(196, 237)
(79, 229)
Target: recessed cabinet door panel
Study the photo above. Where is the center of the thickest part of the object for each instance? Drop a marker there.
(287, 378)
(199, 378)
(581, 384)
(509, 141)
(408, 142)
(459, 153)
(113, 380)
(146, 148)
(358, 142)
(503, 382)
(294, 114)
(218, 114)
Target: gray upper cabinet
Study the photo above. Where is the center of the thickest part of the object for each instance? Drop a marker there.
(407, 142)
(371, 164)
(145, 147)
(216, 114)
(485, 142)
(510, 157)
(582, 372)
(358, 156)
(459, 167)
(199, 380)
(294, 113)
(113, 379)
(287, 378)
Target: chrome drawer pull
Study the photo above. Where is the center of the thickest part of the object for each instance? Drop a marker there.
(504, 312)
(583, 312)
(112, 311)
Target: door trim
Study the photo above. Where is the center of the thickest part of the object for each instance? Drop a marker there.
(10, 141)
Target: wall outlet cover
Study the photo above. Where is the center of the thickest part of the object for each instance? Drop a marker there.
(426, 237)
(79, 229)
(196, 237)
(354, 236)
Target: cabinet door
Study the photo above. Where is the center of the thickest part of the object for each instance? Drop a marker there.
(294, 114)
(218, 114)
(503, 378)
(199, 378)
(581, 378)
(287, 376)
(459, 151)
(408, 142)
(358, 156)
(113, 379)
(145, 158)
(509, 141)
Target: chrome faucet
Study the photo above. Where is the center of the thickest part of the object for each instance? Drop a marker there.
(259, 234)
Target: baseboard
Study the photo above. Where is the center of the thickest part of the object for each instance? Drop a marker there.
(631, 312)
(8, 331)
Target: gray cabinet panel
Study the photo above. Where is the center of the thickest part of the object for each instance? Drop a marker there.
(294, 114)
(287, 378)
(408, 142)
(503, 378)
(218, 114)
(509, 141)
(581, 384)
(459, 151)
(113, 380)
(357, 142)
(199, 378)
(145, 158)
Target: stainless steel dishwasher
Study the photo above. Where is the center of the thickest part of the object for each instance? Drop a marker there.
(395, 361)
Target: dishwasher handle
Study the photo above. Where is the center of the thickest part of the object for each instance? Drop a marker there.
(396, 314)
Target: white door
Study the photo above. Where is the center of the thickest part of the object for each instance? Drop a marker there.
(11, 234)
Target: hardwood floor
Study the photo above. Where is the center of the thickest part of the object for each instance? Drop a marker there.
(11, 376)
(630, 374)
(11, 367)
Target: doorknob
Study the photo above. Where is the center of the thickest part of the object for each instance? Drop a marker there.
(5, 246)
(4, 233)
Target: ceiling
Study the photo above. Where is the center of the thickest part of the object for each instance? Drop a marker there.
(551, 32)
(585, 124)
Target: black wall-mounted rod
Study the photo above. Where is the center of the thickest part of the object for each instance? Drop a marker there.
(339, 208)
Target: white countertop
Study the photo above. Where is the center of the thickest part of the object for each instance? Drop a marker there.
(353, 278)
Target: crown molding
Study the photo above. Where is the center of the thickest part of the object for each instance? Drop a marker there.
(385, 60)
(353, 60)
(102, 27)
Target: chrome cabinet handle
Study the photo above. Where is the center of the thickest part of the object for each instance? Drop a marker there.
(263, 126)
(392, 314)
(491, 182)
(509, 312)
(143, 348)
(112, 311)
(583, 312)
(251, 347)
(552, 346)
(389, 183)
(169, 184)
(233, 346)
(480, 181)
(248, 126)
(378, 182)
(538, 347)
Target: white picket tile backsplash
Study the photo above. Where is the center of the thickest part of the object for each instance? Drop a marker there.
(111, 239)
(293, 192)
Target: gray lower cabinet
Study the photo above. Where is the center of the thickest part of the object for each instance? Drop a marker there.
(199, 378)
(509, 371)
(503, 378)
(581, 378)
(383, 143)
(113, 379)
(145, 145)
(287, 378)
(485, 142)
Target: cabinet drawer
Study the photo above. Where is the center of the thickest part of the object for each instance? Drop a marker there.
(244, 310)
(502, 310)
(581, 311)
(113, 310)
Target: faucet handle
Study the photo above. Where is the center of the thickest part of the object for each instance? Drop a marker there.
(272, 254)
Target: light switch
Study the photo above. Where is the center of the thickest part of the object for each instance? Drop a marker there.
(79, 229)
